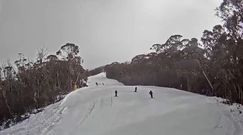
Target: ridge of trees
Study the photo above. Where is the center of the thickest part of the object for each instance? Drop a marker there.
(213, 66)
(34, 85)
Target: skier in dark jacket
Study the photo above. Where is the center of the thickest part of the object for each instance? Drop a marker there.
(115, 93)
(136, 88)
(151, 94)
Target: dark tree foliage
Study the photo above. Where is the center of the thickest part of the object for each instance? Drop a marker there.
(96, 71)
(224, 45)
(38, 84)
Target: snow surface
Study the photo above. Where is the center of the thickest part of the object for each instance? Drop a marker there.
(95, 111)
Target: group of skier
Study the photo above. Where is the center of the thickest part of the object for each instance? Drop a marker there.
(97, 84)
(136, 88)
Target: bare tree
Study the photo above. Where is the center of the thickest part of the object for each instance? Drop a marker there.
(41, 55)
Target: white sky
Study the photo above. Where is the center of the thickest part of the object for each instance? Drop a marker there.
(105, 30)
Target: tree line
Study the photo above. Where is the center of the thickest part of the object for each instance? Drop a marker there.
(27, 86)
(212, 66)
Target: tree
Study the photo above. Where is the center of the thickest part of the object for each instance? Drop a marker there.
(224, 46)
(173, 44)
(52, 57)
(21, 63)
(68, 51)
(231, 12)
(0, 74)
(41, 55)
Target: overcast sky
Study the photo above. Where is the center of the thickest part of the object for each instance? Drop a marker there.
(105, 30)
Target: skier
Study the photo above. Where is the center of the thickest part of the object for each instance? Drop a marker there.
(96, 84)
(151, 94)
(136, 89)
(115, 93)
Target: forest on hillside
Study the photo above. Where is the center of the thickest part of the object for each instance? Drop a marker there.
(212, 67)
(26, 87)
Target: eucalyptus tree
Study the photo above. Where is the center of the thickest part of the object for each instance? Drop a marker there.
(224, 46)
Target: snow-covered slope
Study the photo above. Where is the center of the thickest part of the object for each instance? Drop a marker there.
(95, 111)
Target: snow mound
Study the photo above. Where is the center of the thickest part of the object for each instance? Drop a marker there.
(95, 111)
(101, 80)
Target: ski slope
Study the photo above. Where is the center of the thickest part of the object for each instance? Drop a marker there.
(95, 111)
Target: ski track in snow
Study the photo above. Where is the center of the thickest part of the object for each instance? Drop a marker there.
(86, 116)
(236, 125)
(95, 111)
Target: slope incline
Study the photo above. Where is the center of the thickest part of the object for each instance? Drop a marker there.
(95, 111)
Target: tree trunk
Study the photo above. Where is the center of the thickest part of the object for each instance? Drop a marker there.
(188, 82)
(205, 75)
(6, 102)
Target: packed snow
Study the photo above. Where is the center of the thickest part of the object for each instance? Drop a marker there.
(95, 111)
